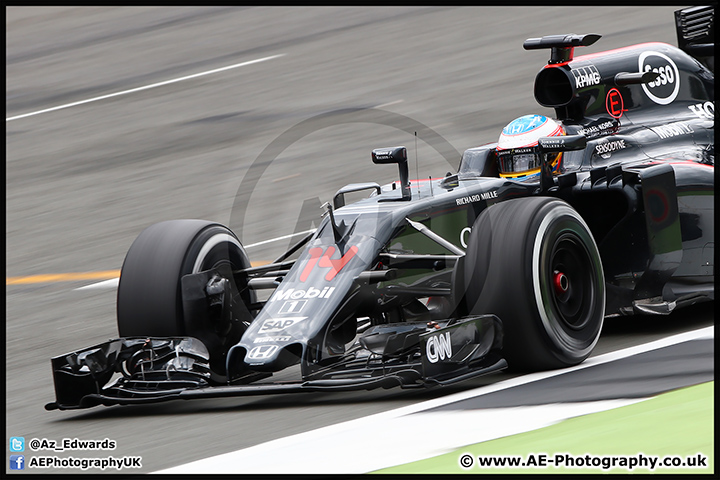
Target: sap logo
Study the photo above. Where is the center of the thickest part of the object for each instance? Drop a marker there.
(263, 352)
(293, 294)
(438, 347)
(703, 110)
(279, 324)
(586, 76)
(664, 89)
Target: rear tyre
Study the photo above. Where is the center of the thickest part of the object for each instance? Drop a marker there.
(149, 300)
(533, 263)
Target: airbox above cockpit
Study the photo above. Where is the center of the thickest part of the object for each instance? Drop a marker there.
(610, 83)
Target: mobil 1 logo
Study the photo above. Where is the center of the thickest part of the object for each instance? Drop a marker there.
(664, 89)
(292, 306)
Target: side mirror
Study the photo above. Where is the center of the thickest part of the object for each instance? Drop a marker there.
(339, 198)
(565, 143)
(389, 155)
(395, 155)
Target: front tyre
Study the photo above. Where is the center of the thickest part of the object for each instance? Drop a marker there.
(534, 263)
(149, 299)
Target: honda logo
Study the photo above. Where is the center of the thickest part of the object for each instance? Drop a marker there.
(263, 352)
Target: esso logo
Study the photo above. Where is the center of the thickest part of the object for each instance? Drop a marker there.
(664, 89)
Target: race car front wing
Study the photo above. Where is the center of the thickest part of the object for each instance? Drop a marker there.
(138, 370)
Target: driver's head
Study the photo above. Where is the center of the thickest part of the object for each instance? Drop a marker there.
(518, 156)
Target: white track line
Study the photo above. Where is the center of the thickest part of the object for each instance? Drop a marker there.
(146, 87)
(346, 448)
(113, 282)
(284, 237)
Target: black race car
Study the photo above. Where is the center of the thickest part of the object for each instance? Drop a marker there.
(471, 274)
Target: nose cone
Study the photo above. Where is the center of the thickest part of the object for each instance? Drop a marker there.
(273, 357)
(270, 357)
(261, 355)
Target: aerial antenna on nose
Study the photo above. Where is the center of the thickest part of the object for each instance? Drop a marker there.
(417, 166)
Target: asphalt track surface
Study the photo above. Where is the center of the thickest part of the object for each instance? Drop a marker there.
(159, 141)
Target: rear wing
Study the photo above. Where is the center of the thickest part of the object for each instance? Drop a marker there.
(695, 27)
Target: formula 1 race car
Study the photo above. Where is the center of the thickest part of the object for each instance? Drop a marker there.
(476, 272)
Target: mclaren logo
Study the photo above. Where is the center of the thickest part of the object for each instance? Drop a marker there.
(438, 347)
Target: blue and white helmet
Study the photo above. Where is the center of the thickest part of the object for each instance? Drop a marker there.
(518, 156)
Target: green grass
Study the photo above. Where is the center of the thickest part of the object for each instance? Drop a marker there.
(677, 423)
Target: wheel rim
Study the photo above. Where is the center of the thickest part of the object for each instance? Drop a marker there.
(571, 272)
(205, 260)
(572, 317)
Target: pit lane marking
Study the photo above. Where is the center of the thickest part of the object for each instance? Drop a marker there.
(146, 87)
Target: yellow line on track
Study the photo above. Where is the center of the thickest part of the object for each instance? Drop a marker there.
(62, 277)
(73, 277)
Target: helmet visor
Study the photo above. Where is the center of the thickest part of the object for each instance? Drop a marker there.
(518, 162)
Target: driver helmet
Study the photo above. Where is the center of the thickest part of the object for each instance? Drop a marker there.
(517, 152)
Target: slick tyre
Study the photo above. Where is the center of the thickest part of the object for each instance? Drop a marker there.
(534, 263)
(149, 298)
